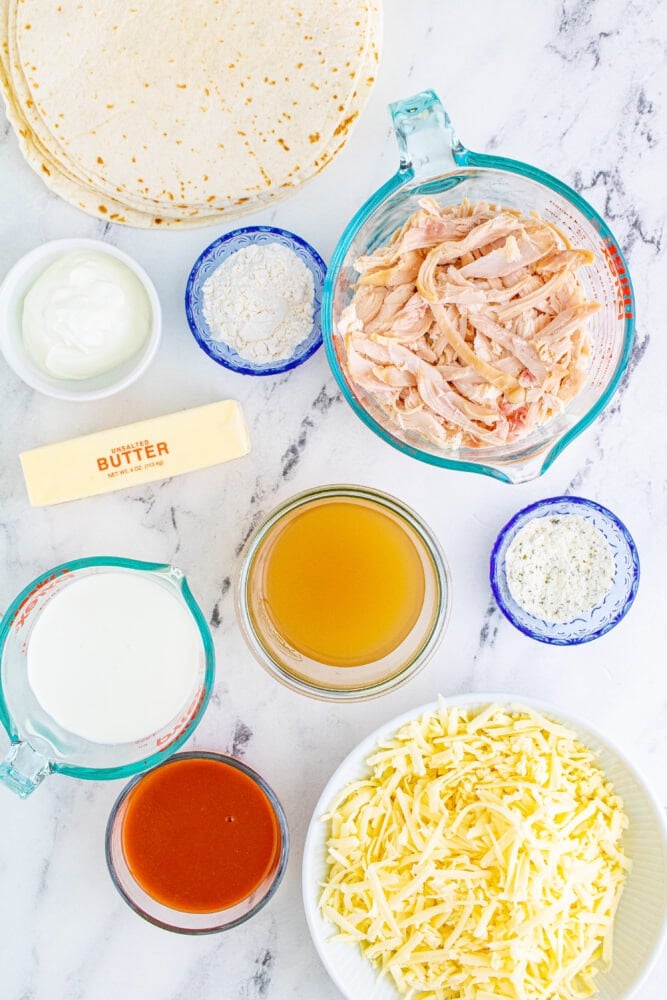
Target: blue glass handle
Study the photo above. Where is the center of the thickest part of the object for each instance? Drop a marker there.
(427, 142)
(23, 769)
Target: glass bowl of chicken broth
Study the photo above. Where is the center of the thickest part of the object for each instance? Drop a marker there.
(477, 314)
(343, 593)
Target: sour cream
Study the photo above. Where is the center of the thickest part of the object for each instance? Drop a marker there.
(85, 314)
(114, 657)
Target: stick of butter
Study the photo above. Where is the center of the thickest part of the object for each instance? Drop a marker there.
(136, 453)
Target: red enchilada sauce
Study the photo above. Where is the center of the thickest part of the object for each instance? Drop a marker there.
(199, 835)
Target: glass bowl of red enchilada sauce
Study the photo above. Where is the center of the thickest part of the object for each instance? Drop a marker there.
(198, 844)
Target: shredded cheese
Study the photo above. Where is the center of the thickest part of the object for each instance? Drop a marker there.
(481, 858)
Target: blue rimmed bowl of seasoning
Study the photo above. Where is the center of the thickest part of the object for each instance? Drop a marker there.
(564, 570)
(253, 300)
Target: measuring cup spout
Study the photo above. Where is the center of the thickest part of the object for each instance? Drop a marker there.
(23, 769)
(426, 138)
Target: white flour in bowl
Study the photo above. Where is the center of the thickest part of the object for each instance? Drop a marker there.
(260, 302)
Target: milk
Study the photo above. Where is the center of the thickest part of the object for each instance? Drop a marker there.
(114, 657)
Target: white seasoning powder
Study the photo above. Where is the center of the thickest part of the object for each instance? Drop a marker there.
(559, 567)
(260, 302)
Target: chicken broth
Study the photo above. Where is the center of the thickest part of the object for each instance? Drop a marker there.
(341, 580)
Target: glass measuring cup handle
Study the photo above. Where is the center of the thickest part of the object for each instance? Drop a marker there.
(23, 769)
(427, 142)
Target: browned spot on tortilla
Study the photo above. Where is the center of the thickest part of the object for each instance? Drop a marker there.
(211, 198)
(147, 85)
(232, 66)
(109, 106)
(46, 169)
(28, 27)
(182, 86)
(241, 201)
(281, 142)
(103, 209)
(314, 86)
(299, 65)
(370, 80)
(239, 132)
(314, 137)
(158, 222)
(100, 160)
(345, 124)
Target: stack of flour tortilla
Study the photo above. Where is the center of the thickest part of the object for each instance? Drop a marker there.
(175, 113)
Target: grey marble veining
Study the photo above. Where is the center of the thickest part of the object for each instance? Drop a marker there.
(578, 89)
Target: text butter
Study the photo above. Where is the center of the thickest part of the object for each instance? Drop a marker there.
(136, 453)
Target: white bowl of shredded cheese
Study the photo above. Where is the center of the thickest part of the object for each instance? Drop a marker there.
(486, 846)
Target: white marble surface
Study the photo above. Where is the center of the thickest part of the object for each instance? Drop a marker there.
(577, 88)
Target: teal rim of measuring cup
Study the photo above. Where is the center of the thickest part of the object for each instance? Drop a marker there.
(127, 770)
(466, 158)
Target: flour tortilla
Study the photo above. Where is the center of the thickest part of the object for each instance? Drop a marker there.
(184, 112)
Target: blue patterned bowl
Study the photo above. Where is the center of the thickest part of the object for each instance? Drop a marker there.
(601, 618)
(211, 259)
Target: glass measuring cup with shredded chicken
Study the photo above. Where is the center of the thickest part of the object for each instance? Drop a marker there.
(470, 327)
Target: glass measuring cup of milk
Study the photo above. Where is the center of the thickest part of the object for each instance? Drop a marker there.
(152, 668)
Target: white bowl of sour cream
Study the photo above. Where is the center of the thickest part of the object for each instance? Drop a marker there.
(79, 319)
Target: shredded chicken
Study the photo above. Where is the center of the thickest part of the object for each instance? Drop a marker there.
(470, 327)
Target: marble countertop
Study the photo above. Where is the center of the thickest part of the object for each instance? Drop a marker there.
(575, 87)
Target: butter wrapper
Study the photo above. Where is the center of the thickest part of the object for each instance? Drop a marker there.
(137, 453)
